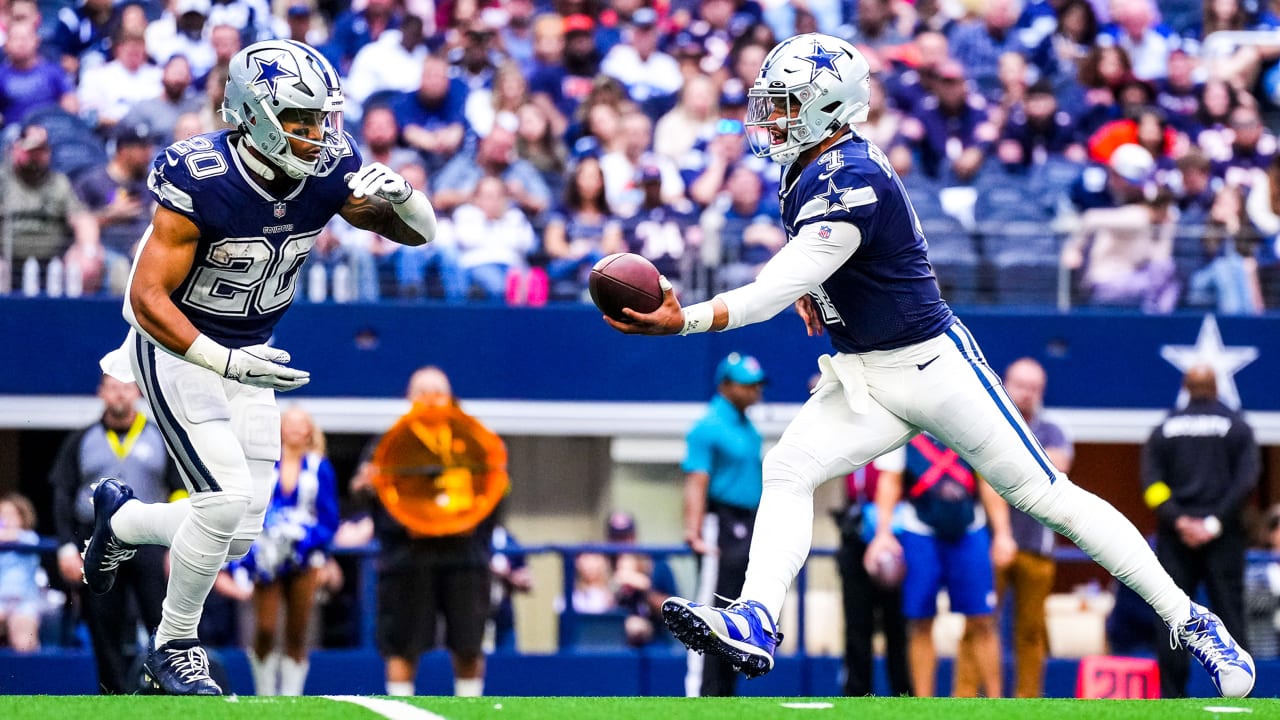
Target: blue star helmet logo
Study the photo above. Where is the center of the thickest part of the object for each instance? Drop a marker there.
(270, 74)
(823, 60)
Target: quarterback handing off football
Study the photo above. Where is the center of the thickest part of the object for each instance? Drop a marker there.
(624, 280)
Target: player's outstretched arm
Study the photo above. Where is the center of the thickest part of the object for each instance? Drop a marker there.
(384, 202)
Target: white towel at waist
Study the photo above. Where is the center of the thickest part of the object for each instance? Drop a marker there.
(848, 371)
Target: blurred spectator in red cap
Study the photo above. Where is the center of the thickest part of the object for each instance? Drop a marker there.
(578, 23)
(567, 80)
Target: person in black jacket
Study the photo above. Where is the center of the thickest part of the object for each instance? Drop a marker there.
(1198, 468)
(124, 444)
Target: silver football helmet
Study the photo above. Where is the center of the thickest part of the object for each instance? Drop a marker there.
(276, 78)
(819, 83)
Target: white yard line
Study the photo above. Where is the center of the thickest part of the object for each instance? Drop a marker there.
(392, 709)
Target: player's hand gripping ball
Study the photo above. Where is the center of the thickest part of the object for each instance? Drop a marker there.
(625, 280)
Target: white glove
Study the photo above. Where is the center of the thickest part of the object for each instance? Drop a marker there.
(257, 365)
(378, 179)
(263, 366)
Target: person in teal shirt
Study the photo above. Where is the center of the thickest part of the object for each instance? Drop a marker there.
(721, 494)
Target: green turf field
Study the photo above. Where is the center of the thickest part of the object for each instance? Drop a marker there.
(571, 708)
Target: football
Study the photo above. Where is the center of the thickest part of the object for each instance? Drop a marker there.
(624, 280)
(887, 570)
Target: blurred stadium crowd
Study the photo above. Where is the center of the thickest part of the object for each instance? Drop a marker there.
(1059, 152)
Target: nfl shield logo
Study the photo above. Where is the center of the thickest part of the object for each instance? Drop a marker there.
(824, 232)
(279, 212)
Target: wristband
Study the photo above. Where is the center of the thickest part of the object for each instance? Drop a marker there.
(209, 354)
(1213, 525)
(698, 318)
(417, 213)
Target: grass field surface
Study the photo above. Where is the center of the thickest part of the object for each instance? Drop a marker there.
(44, 707)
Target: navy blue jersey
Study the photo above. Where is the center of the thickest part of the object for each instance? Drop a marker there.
(251, 244)
(885, 296)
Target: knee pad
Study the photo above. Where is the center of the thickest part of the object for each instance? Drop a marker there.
(239, 548)
(219, 513)
(790, 469)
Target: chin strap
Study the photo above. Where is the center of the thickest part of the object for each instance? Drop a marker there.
(242, 148)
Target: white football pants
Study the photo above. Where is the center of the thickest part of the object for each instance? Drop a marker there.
(224, 438)
(868, 404)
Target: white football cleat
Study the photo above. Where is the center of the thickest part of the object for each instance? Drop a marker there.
(744, 633)
(1229, 665)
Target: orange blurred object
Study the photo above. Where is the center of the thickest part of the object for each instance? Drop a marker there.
(439, 471)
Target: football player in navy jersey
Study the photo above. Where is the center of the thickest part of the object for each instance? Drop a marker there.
(856, 266)
(238, 211)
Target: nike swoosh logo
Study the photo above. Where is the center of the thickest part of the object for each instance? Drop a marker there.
(925, 365)
(826, 175)
(252, 374)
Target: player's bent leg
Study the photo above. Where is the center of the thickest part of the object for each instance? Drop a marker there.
(104, 550)
(1110, 539)
(825, 440)
(744, 634)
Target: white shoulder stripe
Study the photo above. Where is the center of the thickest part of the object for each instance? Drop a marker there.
(171, 193)
(836, 199)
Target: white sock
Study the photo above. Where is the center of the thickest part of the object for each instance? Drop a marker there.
(693, 674)
(197, 553)
(139, 523)
(266, 680)
(1109, 538)
(468, 687)
(293, 676)
(399, 688)
(780, 545)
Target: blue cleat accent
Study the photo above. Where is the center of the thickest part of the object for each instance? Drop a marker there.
(179, 667)
(1229, 665)
(104, 552)
(744, 633)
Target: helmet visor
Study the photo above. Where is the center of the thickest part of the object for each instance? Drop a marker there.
(767, 124)
(321, 128)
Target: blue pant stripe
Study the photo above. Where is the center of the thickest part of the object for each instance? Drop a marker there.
(968, 347)
(193, 469)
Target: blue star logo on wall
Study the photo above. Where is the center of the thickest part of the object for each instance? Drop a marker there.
(1225, 360)
(823, 60)
(270, 74)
